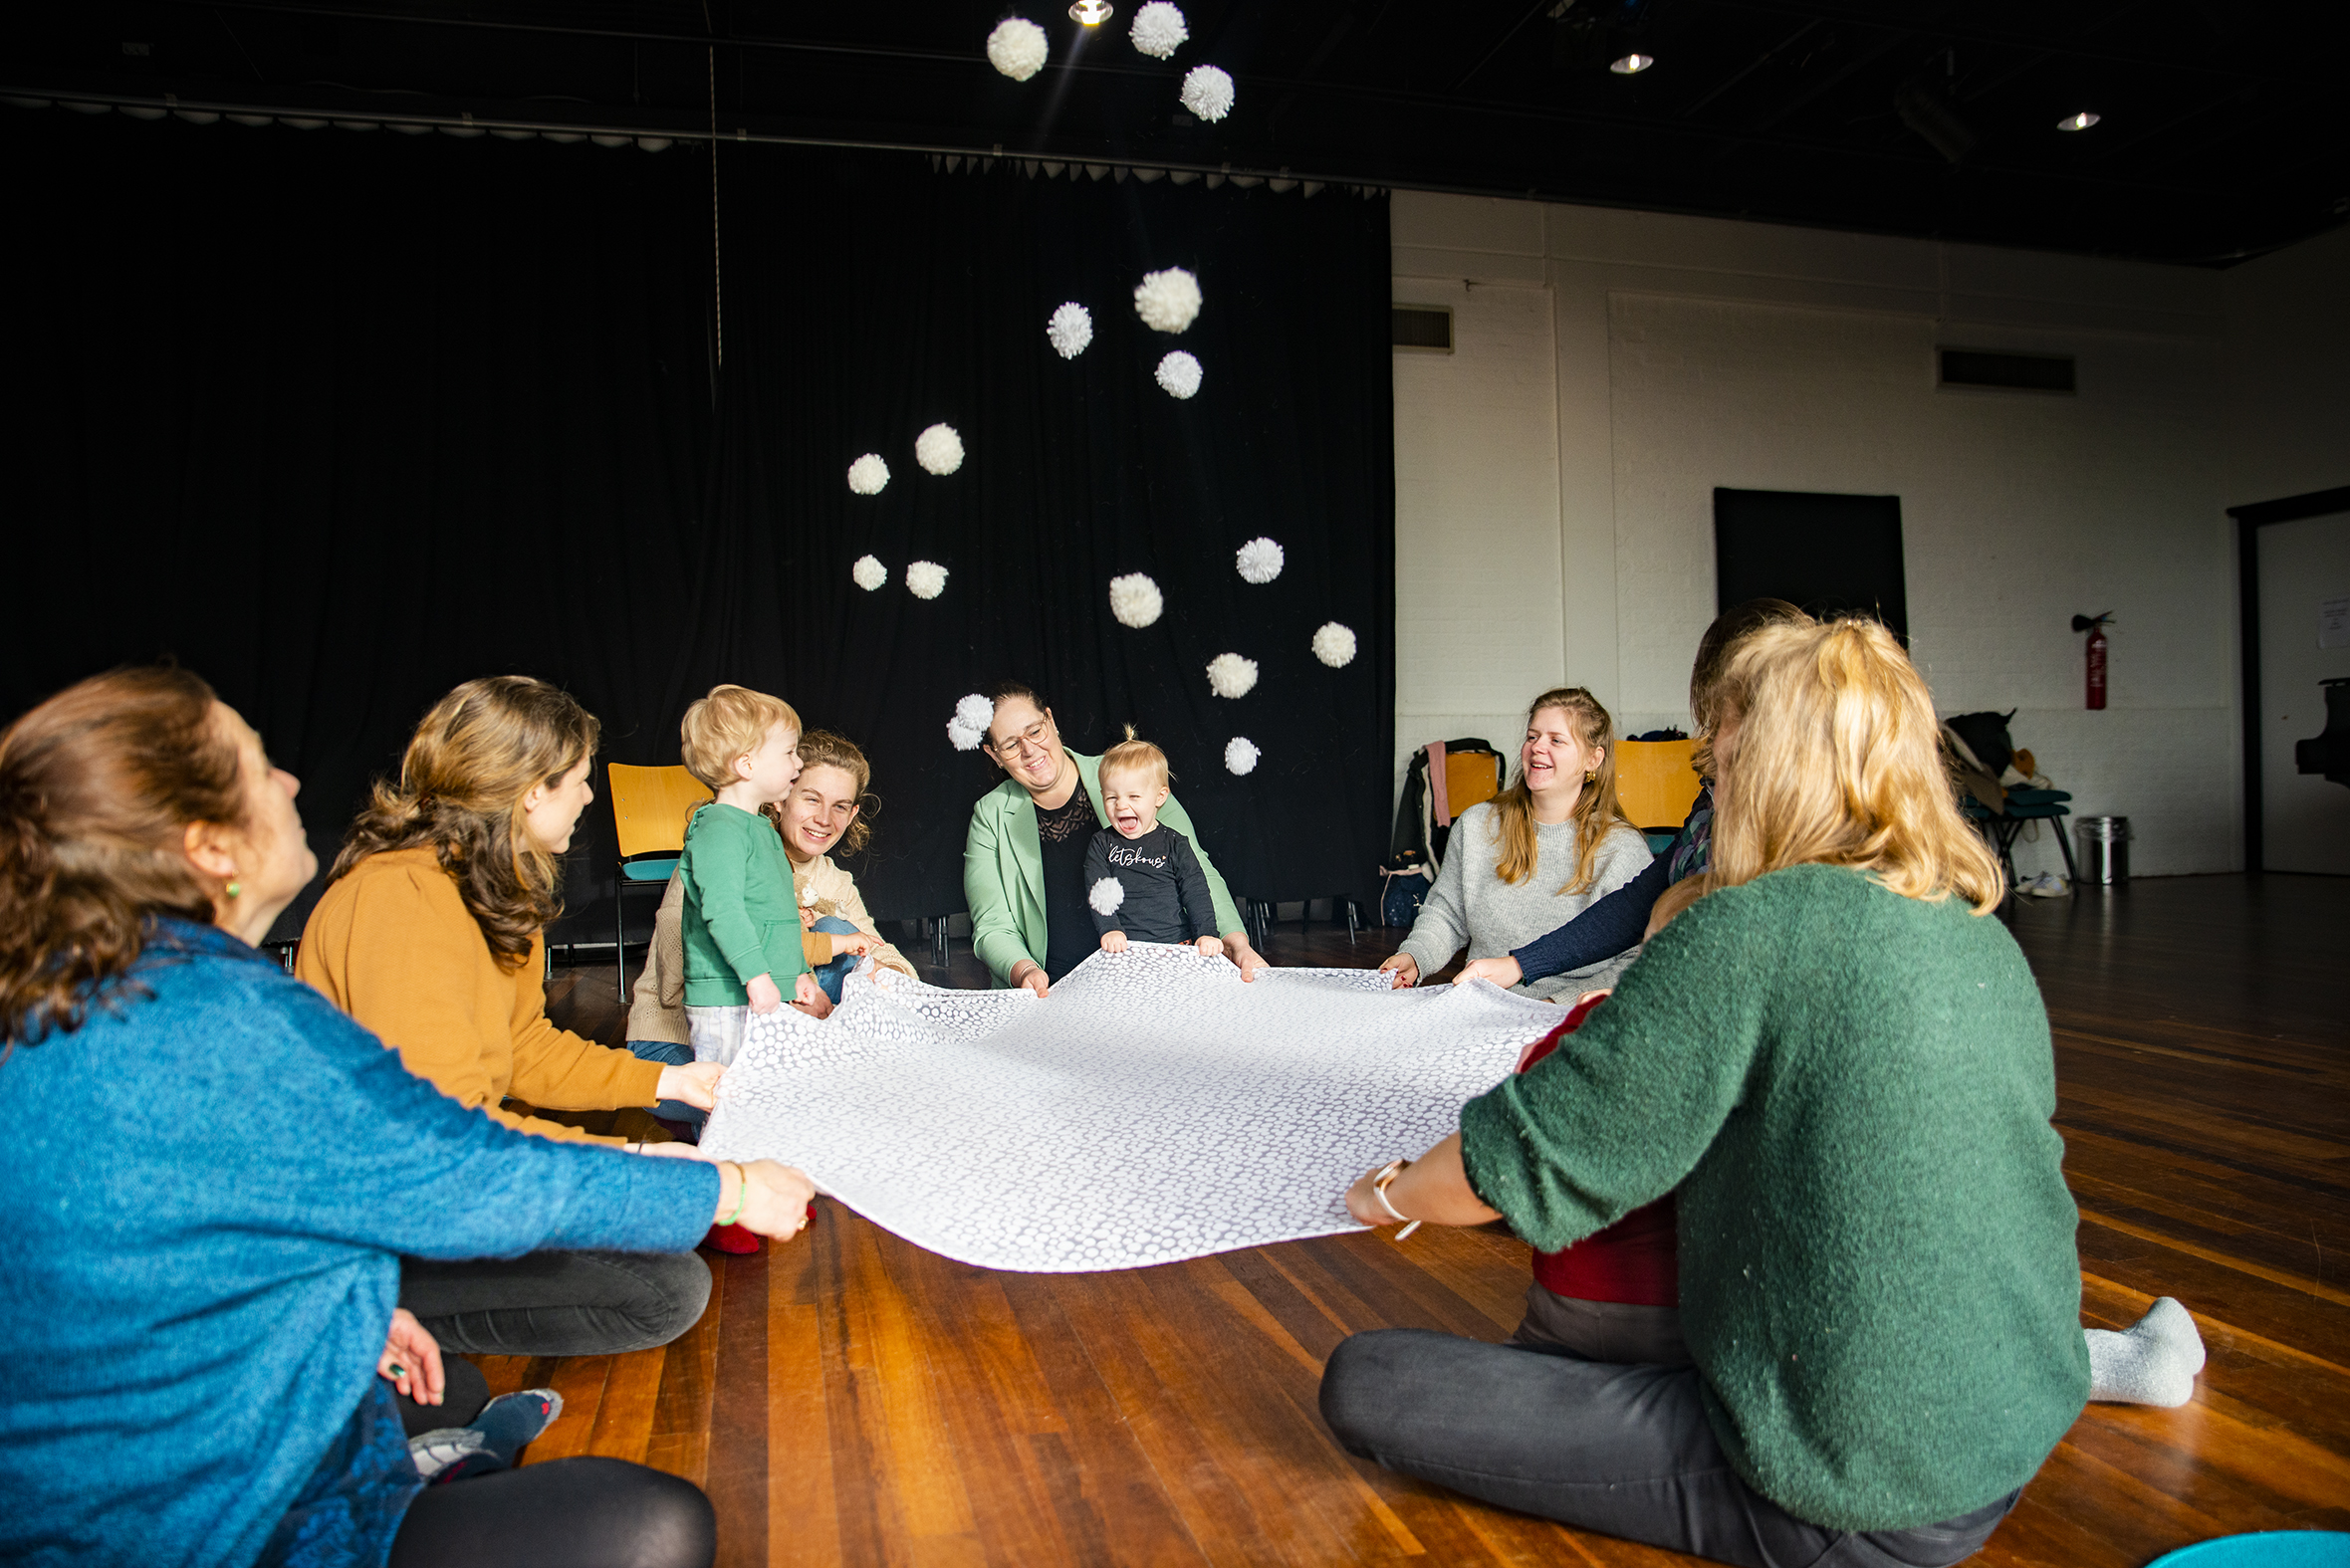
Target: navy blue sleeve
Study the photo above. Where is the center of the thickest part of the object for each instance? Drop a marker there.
(1607, 927)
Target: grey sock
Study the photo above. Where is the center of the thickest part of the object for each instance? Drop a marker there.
(2153, 1362)
(434, 1451)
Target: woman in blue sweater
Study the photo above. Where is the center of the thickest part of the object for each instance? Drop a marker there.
(214, 1175)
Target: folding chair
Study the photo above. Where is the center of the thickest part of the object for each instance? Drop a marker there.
(649, 809)
(1656, 785)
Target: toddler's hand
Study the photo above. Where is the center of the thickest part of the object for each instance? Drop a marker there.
(806, 918)
(766, 995)
(1113, 941)
(810, 997)
(1211, 947)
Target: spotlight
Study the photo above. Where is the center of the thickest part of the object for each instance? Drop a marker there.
(1092, 13)
(2080, 121)
(1631, 64)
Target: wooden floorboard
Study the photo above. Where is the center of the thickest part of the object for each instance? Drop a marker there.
(853, 1398)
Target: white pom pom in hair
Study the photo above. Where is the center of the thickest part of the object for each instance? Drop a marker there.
(1106, 895)
(1230, 675)
(1070, 330)
(975, 711)
(1158, 29)
(1180, 374)
(868, 572)
(1240, 755)
(868, 474)
(1167, 300)
(939, 449)
(1207, 92)
(1333, 644)
(966, 738)
(1259, 561)
(1135, 600)
(926, 580)
(1018, 48)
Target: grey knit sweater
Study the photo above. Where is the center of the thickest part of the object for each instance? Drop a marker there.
(1472, 904)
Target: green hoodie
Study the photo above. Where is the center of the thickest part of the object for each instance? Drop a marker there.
(741, 918)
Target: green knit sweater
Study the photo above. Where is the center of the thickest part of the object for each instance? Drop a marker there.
(741, 919)
(1852, 1091)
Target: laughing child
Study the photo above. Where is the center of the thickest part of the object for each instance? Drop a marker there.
(1144, 883)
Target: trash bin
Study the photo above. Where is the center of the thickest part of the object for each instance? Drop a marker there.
(2105, 849)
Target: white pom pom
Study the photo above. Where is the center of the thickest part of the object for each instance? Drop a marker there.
(1230, 675)
(966, 738)
(1240, 755)
(1135, 600)
(1259, 561)
(868, 474)
(1158, 28)
(928, 580)
(1168, 301)
(868, 572)
(1106, 895)
(939, 449)
(1179, 373)
(1207, 92)
(1333, 644)
(975, 711)
(1071, 330)
(1018, 48)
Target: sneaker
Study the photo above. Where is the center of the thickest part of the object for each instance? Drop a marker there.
(435, 1451)
(2048, 885)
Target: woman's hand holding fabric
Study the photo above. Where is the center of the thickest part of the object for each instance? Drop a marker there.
(775, 1202)
(1502, 971)
(1252, 962)
(695, 1085)
(1405, 968)
(1031, 973)
(412, 1359)
(1434, 1187)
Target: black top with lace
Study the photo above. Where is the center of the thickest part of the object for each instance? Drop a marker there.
(1069, 923)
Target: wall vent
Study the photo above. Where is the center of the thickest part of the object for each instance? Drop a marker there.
(2011, 373)
(1423, 329)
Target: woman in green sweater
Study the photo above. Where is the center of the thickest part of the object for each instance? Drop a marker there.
(1845, 1071)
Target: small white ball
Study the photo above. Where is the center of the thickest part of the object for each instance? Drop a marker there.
(869, 572)
(975, 711)
(1158, 29)
(1018, 48)
(1167, 300)
(939, 449)
(1259, 561)
(1135, 600)
(926, 580)
(1240, 755)
(868, 474)
(1070, 330)
(1180, 374)
(1106, 895)
(964, 737)
(1333, 644)
(1207, 92)
(1230, 675)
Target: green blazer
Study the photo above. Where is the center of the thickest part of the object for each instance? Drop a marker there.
(1004, 871)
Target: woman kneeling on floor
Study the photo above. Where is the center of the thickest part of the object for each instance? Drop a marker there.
(1846, 1072)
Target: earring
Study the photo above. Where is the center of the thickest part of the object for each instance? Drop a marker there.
(233, 889)
(1590, 776)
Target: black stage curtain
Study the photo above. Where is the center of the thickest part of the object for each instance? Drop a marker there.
(339, 420)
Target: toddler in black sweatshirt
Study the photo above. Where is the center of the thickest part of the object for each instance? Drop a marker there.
(1143, 880)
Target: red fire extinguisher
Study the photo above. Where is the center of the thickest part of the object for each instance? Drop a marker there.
(2096, 626)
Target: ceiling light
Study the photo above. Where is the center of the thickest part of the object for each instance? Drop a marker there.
(1090, 12)
(1632, 62)
(2080, 121)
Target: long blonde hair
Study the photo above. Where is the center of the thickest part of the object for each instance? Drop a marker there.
(1835, 761)
(1596, 811)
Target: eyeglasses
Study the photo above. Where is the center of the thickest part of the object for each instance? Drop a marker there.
(1030, 739)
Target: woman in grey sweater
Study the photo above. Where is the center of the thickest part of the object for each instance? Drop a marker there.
(1536, 856)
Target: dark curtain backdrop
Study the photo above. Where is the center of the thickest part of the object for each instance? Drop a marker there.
(339, 420)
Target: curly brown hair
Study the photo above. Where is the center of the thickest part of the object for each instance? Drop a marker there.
(97, 787)
(461, 788)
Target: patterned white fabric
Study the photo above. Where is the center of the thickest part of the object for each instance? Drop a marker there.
(1152, 1108)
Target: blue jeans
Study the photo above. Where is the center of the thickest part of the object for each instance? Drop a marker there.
(829, 976)
(671, 1055)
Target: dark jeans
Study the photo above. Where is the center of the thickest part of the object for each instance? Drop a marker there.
(671, 1054)
(1622, 1449)
(557, 1303)
(565, 1513)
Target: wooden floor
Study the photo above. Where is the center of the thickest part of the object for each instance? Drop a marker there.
(853, 1398)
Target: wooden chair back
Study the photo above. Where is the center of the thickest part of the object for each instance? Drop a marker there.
(1655, 783)
(650, 805)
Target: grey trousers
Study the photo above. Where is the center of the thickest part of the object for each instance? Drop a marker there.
(1625, 1451)
(557, 1303)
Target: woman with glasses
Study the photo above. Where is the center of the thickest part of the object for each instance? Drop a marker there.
(1024, 874)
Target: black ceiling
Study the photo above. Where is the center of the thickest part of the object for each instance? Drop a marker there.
(2223, 132)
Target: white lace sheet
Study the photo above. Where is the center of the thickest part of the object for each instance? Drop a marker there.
(1153, 1108)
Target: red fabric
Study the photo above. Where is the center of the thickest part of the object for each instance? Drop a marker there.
(731, 1238)
(1631, 1261)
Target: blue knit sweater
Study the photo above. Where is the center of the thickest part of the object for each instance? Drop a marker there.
(209, 1188)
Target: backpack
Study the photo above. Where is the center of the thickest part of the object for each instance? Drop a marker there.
(1418, 828)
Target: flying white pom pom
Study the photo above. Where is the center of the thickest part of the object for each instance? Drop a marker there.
(939, 449)
(1259, 561)
(966, 738)
(1333, 644)
(1179, 373)
(868, 572)
(1135, 600)
(1018, 48)
(1230, 675)
(1168, 301)
(1240, 755)
(1207, 92)
(928, 580)
(1106, 895)
(975, 711)
(1071, 330)
(1158, 29)
(868, 474)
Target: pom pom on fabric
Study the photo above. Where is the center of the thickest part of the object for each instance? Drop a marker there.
(975, 713)
(869, 572)
(1180, 374)
(868, 474)
(966, 738)
(1158, 29)
(1259, 561)
(1070, 330)
(1333, 644)
(1106, 895)
(1018, 48)
(1207, 92)
(939, 449)
(1240, 755)
(1168, 301)
(928, 580)
(1230, 675)
(1135, 600)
